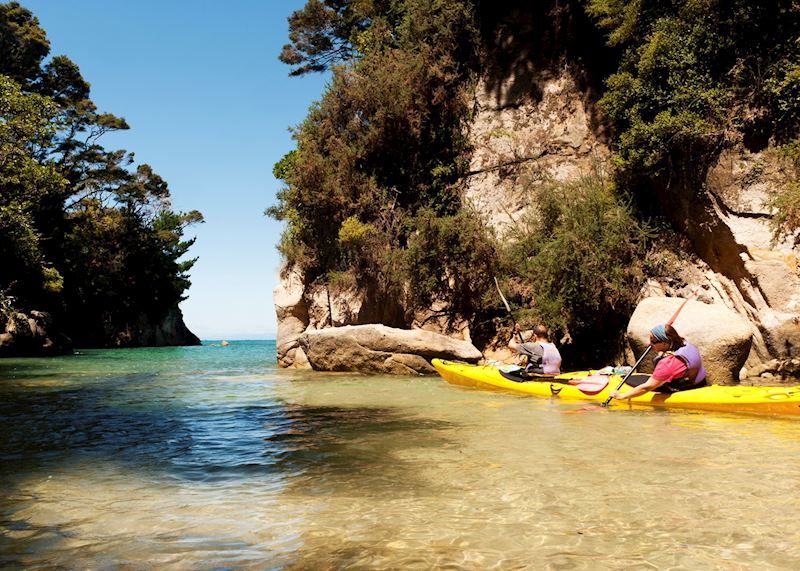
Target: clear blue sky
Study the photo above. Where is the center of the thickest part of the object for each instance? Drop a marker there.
(209, 106)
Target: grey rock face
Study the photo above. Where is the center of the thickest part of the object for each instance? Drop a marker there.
(520, 140)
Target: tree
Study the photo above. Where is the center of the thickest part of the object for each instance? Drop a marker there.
(320, 35)
(26, 122)
(385, 148)
(23, 44)
(72, 209)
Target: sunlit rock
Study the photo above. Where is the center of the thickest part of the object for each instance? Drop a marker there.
(722, 336)
(31, 335)
(380, 349)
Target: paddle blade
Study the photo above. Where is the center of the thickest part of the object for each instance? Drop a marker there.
(590, 385)
(677, 312)
(590, 389)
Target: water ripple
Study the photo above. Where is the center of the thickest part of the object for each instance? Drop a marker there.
(187, 458)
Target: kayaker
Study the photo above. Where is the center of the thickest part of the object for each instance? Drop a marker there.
(678, 365)
(543, 356)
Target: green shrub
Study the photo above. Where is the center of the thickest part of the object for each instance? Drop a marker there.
(690, 72)
(341, 281)
(786, 203)
(450, 259)
(371, 192)
(577, 265)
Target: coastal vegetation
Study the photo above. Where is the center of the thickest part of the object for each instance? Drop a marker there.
(577, 262)
(373, 187)
(85, 233)
(787, 202)
(695, 77)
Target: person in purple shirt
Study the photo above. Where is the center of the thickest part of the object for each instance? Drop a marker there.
(543, 356)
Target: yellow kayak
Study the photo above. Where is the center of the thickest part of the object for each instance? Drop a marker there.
(589, 385)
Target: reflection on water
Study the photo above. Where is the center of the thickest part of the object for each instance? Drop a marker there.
(208, 458)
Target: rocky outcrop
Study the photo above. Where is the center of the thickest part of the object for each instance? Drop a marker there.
(167, 332)
(722, 336)
(36, 335)
(292, 316)
(756, 270)
(305, 308)
(532, 126)
(32, 335)
(740, 263)
(521, 141)
(381, 349)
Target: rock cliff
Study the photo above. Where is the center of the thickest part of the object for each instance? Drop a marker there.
(169, 331)
(738, 263)
(37, 335)
(536, 124)
(32, 335)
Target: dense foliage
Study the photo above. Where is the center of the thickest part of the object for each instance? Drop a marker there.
(83, 234)
(693, 72)
(696, 76)
(786, 203)
(578, 263)
(372, 189)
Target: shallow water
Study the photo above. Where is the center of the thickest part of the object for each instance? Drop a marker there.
(210, 458)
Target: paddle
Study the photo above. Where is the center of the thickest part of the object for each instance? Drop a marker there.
(508, 309)
(591, 382)
(590, 385)
(626, 377)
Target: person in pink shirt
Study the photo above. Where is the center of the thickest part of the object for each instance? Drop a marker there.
(678, 365)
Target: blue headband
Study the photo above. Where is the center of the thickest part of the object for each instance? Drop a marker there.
(659, 333)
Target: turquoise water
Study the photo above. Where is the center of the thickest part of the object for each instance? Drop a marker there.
(211, 458)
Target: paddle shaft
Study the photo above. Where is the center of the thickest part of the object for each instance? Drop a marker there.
(646, 351)
(626, 377)
(508, 309)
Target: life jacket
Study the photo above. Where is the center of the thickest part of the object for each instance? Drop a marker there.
(551, 359)
(542, 357)
(695, 374)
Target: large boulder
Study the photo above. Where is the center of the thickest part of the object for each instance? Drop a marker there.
(721, 335)
(779, 282)
(381, 349)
